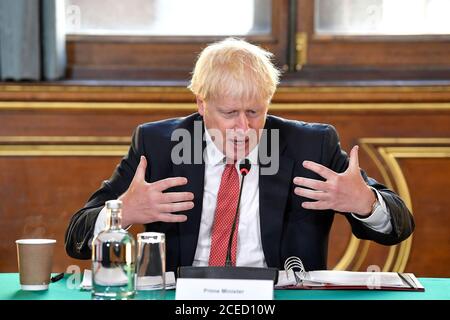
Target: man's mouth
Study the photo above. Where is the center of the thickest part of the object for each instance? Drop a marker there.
(239, 142)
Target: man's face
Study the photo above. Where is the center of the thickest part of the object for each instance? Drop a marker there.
(234, 125)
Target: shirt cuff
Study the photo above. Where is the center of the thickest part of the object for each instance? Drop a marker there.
(380, 219)
(100, 223)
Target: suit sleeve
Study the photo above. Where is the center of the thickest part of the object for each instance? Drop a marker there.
(401, 219)
(80, 231)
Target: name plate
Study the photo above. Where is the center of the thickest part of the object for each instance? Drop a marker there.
(223, 289)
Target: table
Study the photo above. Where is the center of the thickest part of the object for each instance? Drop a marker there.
(435, 289)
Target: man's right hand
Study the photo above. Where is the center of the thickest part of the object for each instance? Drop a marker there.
(146, 203)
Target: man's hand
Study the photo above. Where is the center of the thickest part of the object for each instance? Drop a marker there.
(344, 192)
(145, 202)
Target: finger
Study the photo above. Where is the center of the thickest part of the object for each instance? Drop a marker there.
(139, 175)
(318, 205)
(170, 197)
(311, 183)
(167, 217)
(354, 161)
(311, 194)
(319, 169)
(175, 207)
(167, 183)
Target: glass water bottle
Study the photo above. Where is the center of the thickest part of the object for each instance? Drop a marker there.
(113, 258)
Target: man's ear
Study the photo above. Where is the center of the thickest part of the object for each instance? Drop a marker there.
(200, 105)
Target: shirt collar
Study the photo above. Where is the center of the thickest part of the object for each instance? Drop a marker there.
(213, 154)
(215, 157)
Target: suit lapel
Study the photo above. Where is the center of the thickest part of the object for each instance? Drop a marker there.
(273, 194)
(194, 172)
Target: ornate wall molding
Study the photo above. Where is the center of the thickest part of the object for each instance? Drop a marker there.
(385, 153)
(279, 107)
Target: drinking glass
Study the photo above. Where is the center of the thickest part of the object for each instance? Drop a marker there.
(151, 266)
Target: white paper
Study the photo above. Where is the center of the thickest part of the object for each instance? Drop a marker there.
(223, 289)
(86, 283)
(286, 278)
(342, 278)
(353, 278)
(148, 283)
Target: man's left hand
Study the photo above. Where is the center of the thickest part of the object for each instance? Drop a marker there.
(343, 192)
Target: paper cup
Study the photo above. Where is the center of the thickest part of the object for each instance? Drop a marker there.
(35, 258)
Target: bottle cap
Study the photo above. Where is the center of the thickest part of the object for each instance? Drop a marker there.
(114, 204)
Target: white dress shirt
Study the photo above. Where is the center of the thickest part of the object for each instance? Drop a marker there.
(249, 245)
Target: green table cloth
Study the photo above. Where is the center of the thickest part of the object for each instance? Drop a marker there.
(435, 289)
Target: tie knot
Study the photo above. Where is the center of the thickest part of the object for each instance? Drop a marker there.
(228, 162)
(230, 169)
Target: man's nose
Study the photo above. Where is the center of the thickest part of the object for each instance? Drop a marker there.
(242, 122)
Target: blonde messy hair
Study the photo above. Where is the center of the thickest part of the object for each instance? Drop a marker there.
(234, 68)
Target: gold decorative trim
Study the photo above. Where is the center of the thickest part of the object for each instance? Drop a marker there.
(405, 141)
(366, 89)
(402, 186)
(359, 106)
(362, 255)
(390, 150)
(191, 107)
(12, 146)
(301, 47)
(64, 139)
(349, 254)
(390, 259)
(92, 89)
(142, 88)
(62, 150)
(95, 106)
(378, 164)
(389, 183)
(418, 152)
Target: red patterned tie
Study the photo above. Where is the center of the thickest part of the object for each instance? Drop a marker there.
(227, 200)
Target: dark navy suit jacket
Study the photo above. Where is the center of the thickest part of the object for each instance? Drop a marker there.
(287, 229)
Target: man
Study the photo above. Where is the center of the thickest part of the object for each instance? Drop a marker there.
(287, 204)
